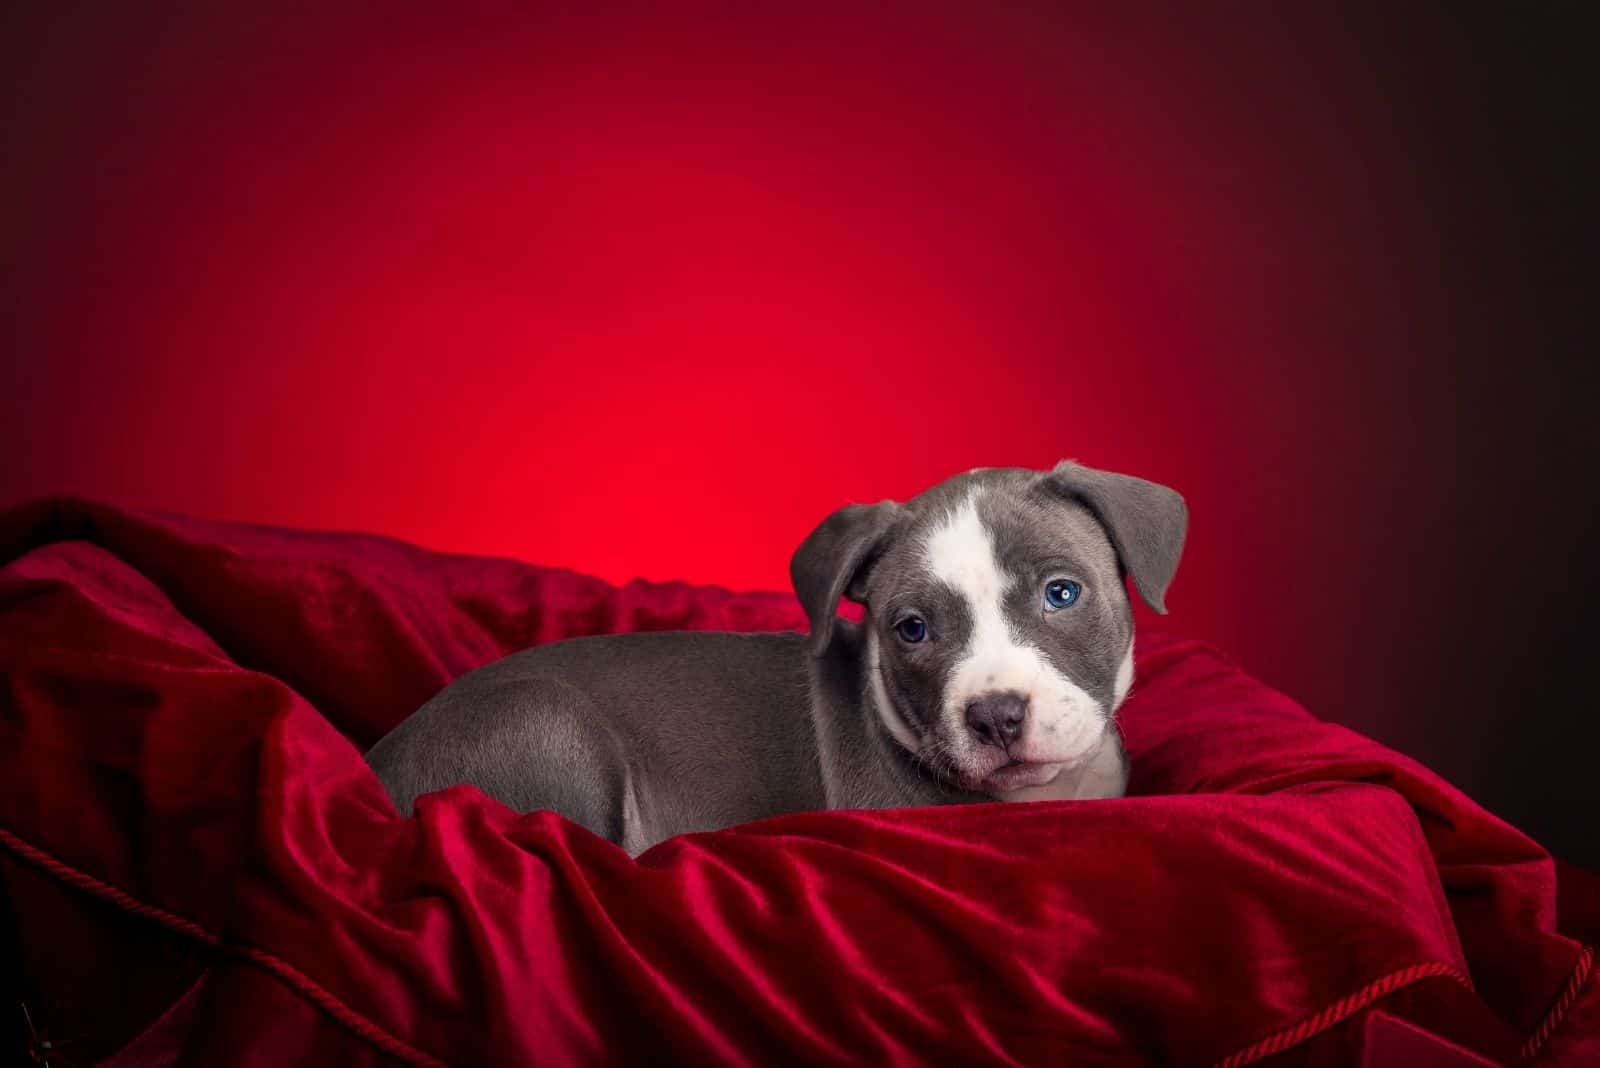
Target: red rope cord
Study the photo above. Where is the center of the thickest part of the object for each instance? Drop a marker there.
(1341, 1010)
(1558, 1011)
(285, 972)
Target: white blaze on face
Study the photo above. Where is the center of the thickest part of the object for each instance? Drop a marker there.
(1064, 723)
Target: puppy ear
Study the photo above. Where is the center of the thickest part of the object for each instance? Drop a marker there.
(831, 563)
(1145, 521)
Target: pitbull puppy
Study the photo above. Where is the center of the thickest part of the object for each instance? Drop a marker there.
(995, 649)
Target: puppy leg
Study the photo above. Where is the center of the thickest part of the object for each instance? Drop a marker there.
(528, 743)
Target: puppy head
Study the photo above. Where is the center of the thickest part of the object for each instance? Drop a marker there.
(998, 633)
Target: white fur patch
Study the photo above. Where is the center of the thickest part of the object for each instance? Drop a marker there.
(1124, 678)
(1064, 723)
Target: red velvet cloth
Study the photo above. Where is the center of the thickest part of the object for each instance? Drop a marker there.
(187, 827)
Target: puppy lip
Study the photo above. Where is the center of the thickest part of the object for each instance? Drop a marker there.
(1021, 773)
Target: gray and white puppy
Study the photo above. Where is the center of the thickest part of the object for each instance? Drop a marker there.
(995, 649)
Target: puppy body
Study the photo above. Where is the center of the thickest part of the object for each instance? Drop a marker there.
(1009, 581)
(643, 736)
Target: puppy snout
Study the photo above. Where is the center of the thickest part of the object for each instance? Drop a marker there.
(996, 718)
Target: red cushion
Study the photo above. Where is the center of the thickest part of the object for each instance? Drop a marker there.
(183, 799)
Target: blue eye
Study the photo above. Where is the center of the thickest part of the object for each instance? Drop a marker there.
(911, 629)
(1060, 594)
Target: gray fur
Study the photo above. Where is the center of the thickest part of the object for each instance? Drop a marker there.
(1146, 521)
(828, 563)
(639, 737)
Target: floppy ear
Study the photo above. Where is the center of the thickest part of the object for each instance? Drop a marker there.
(833, 559)
(1146, 522)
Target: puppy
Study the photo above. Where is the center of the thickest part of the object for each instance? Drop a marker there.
(995, 648)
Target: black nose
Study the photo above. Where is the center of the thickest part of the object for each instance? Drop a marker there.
(996, 718)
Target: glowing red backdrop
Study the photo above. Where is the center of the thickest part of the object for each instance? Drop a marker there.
(650, 295)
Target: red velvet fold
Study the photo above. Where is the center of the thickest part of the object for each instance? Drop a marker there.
(182, 793)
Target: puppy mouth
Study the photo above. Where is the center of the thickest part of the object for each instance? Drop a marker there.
(1018, 775)
(1006, 771)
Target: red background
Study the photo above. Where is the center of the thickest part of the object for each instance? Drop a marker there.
(649, 295)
